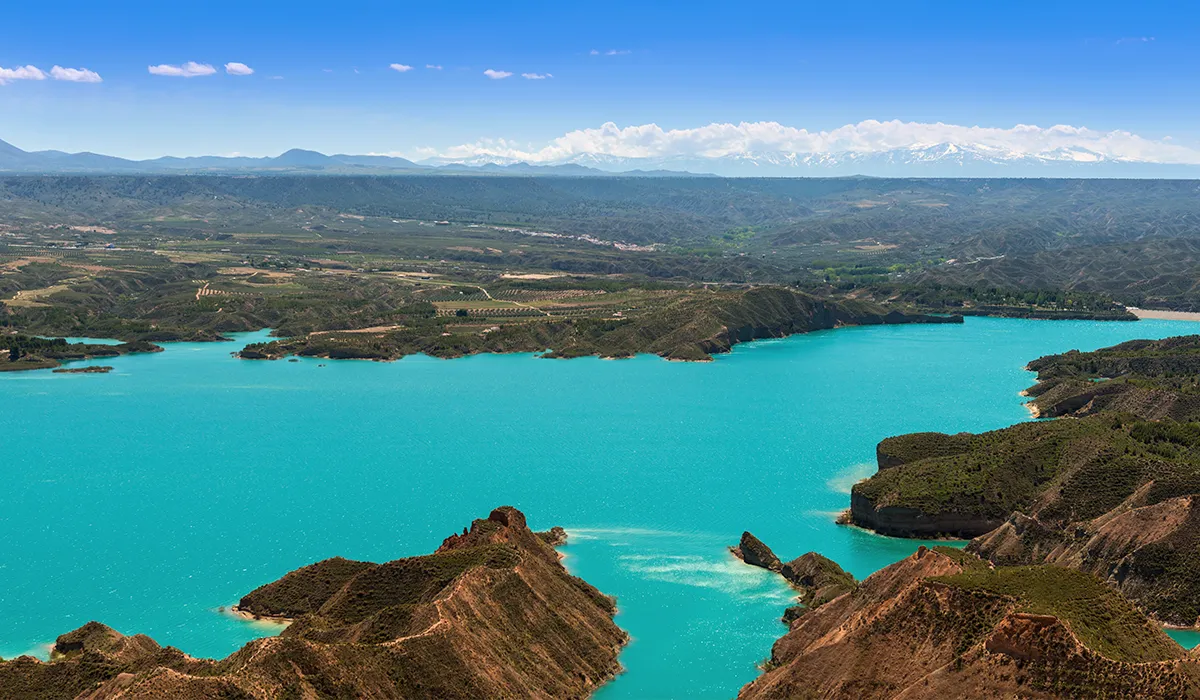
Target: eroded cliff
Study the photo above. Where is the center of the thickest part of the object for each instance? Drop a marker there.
(942, 623)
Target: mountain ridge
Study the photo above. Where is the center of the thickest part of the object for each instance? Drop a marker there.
(14, 160)
(492, 613)
(946, 159)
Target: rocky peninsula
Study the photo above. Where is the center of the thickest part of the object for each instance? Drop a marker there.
(1109, 489)
(1151, 379)
(23, 352)
(693, 327)
(943, 623)
(816, 578)
(491, 614)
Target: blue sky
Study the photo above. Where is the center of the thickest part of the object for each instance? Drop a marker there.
(1127, 66)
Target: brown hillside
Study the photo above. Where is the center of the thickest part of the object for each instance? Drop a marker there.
(491, 614)
(943, 624)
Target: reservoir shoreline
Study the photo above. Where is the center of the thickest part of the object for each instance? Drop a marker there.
(633, 455)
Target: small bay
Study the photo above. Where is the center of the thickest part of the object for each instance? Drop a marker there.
(149, 497)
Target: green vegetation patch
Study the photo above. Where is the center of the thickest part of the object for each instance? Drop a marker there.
(684, 325)
(819, 578)
(411, 581)
(1093, 463)
(1171, 364)
(304, 590)
(912, 447)
(28, 679)
(1171, 563)
(20, 352)
(1001, 471)
(968, 561)
(1103, 620)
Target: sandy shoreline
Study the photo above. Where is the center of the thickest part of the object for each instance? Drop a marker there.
(1164, 315)
(235, 611)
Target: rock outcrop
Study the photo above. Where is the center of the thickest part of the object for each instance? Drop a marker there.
(752, 551)
(491, 614)
(818, 578)
(941, 624)
(904, 521)
(555, 536)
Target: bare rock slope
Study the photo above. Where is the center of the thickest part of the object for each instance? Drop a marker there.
(942, 623)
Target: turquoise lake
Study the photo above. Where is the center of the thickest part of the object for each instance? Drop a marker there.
(149, 497)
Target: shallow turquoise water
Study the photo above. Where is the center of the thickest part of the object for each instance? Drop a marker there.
(1189, 639)
(148, 497)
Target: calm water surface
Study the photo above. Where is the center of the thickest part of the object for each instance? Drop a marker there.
(151, 496)
(1190, 639)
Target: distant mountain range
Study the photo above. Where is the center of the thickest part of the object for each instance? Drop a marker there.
(296, 161)
(937, 160)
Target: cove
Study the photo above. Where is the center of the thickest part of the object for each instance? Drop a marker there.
(149, 497)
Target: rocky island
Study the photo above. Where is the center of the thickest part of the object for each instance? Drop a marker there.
(491, 614)
(91, 369)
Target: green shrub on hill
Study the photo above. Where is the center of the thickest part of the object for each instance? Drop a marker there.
(1102, 618)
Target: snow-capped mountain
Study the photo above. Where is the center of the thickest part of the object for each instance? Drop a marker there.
(924, 160)
(932, 160)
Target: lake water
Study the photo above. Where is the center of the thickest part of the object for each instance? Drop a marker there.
(149, 497)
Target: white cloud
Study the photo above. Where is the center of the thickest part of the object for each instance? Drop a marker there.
(191, 69)
(7, 75)
(497, 74)
(610, 52)
(236, 68)
(417, 153)
(75, 75)
(871, 136)
(536, 76)
(400, 67)
(432, 66)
